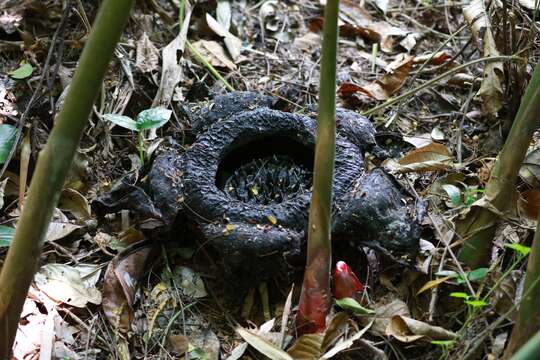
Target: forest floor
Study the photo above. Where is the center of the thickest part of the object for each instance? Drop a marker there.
(113, 284)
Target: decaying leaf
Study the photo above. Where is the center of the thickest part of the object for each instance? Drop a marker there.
(73, 201)
(490, 91)
(120, 283)
(233, 43)
(406, 329)
(147, 57)
(214, 53)
(74, 286)
(529, 203)
(59, 230)
(432, 284)
(172, 72)
(432, 157)
(384, 313)
(386, 86)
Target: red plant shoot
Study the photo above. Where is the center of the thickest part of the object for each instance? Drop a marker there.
(346, 284)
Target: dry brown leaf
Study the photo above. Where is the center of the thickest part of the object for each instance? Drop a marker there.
(431, 157)
(530, 168)
(409, 330)
(307, 347)
(383, 88)
(529, 203)
(475, 15)
(178, 344)
(68, 284)
(171, 73)
(214, 53)
(434, 59)
(147, 56)
(383, 314)
(491, 91)
(74, 202)
(432, 283)
(121, 279)
(233, 43)
(59, 230)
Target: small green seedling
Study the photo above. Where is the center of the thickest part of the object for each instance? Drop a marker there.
(522, 250)
(148, 119)
(469, 299)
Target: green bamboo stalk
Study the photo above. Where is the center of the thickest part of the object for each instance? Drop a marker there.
(531, 350)
(528, 319)
(478, 228)
(315, 297)
(53, 165)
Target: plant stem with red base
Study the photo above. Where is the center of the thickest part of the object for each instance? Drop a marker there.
(315, 299)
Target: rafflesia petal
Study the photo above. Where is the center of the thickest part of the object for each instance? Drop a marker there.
(346, 284)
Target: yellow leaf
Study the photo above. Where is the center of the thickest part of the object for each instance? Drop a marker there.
(433, 283)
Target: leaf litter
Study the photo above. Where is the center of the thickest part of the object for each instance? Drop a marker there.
(170, 299)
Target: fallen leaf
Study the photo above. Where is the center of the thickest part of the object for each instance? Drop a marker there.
(408, 330)
(121, 279)
(74, 202)
(344, 344)
(419, 141)
(434, 59)
(431, 157)
(233, 43)
(262, 345)
(384, 313)
(383, 88)
(172, 70)
(68, 284)
(214, 53)
(22, 72)
(147, 56)
(59, 230)
(529, 4)
(191, 283)
(529, 203)
(178, 344)
(491, 91)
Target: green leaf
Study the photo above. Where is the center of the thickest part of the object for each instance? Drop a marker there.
(476, 303)
(6, 235)
(460, 295)
(22, 72)
(123, 121)
(474, 275)
(153, 118)
(477, 274)
(8, 133)
(454, 193)
(521, 249)
(354, 306)
(443, 343)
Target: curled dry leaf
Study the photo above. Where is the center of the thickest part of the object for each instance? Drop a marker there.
(74, 202)
(121, 279)
(409, 330)
(74, 286)
(432, 157)
(386, 86)
(214, 53)
(233, 43)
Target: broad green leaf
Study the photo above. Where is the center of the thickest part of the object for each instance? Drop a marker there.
(477, 274)
(6, 235)
(22, 72)
(460, 295)
(474, 275)
(521, 249)
(443, 343)
(453, 192)
(153, 118)
(123, 121)
(8, 133)
(354, 306)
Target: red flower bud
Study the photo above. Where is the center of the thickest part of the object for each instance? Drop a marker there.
(346, 284)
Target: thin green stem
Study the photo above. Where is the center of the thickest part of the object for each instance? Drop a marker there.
(209, 66)
(140, 137)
